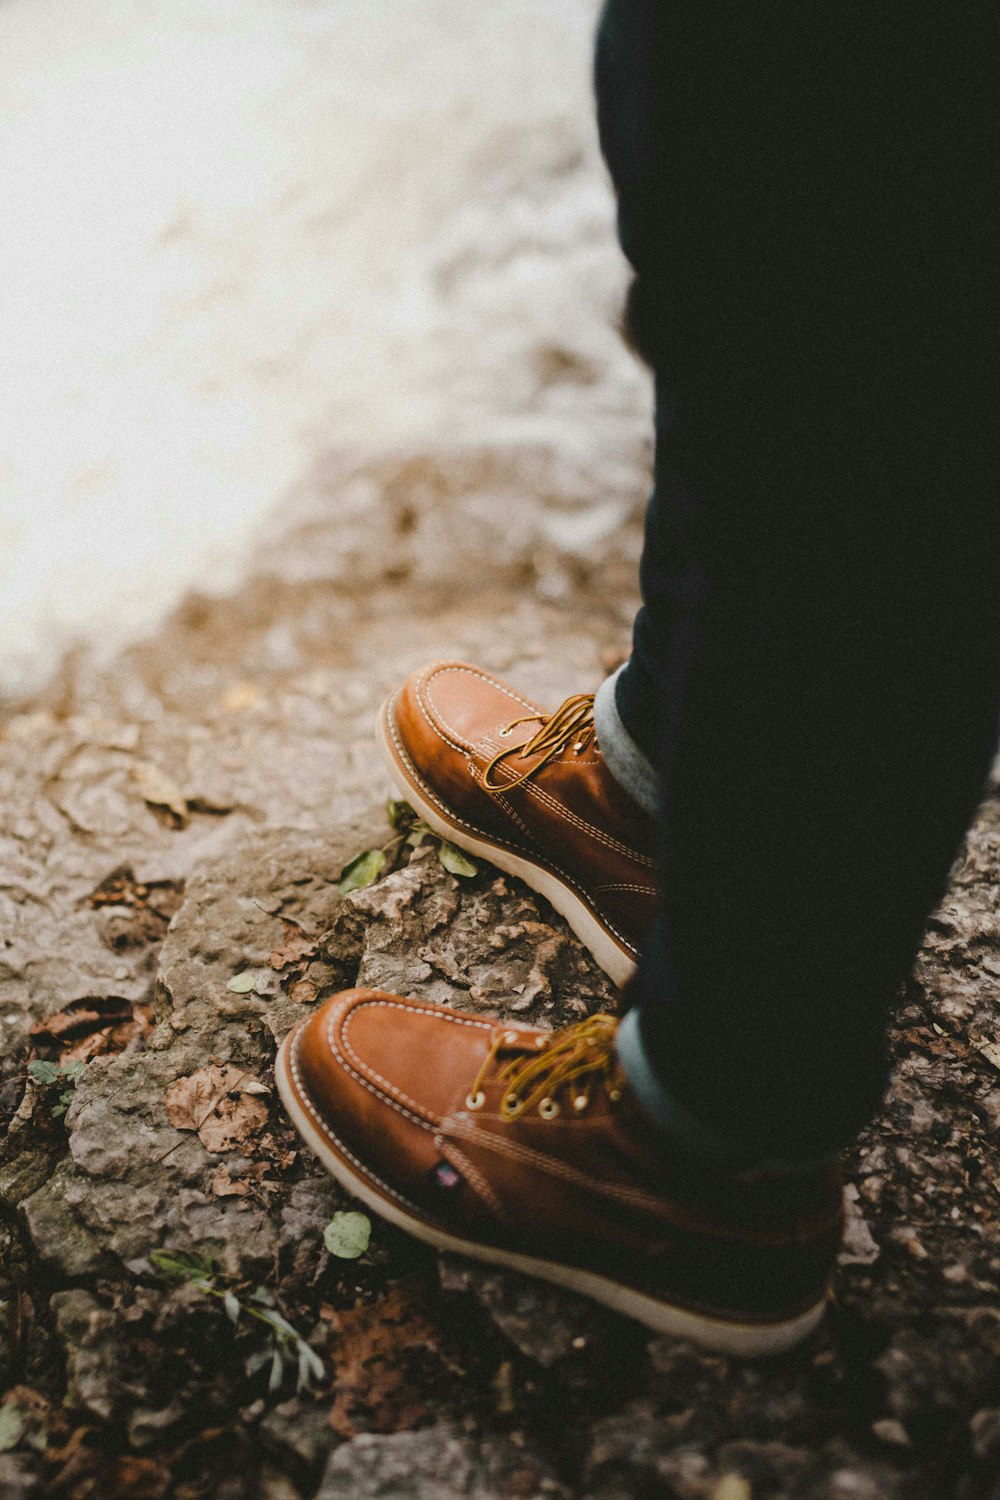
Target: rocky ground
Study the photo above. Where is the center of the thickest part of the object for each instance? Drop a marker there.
(174, 1322)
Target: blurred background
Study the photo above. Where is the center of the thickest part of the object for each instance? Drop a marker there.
(241, 236)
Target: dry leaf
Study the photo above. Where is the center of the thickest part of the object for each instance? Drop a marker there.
(91, 1027)
(303, 992)
(224, 1186)
(375, 1391)
(296, 945)
(253, 1175)
(159, 790)
(219, 1104)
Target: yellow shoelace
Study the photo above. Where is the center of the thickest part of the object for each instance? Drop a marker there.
(572, 723)
(582, 1054)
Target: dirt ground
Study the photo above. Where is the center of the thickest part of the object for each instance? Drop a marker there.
(173, 1320)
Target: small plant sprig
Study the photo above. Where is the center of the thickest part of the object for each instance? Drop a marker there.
(365, 868)
(45, 1074)
(287, 1348)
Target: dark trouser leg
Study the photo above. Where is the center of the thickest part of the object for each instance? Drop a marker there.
(817, 662)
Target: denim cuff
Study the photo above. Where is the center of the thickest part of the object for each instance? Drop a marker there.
(622, 756)
(679, 1127)
(676, 1123)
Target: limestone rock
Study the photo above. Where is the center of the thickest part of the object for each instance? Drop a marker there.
(439, 1463)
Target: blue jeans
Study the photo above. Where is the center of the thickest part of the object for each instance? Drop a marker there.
(809, 206)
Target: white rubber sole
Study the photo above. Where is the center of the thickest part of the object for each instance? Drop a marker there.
(595, 937)
(722, 1336)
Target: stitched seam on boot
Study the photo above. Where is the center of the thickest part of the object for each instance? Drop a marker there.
(627, 944)
(473, 1175)
(677, 1217)
(322, 1125)
(391, 1092)
(425, 702)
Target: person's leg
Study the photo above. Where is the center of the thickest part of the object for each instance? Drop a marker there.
(812, 693)
(815, 668)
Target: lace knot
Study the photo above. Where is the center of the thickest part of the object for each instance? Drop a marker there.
(571, 724)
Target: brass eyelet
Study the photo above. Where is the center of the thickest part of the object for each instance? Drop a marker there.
(614, 1095)
(580, 1103)
(476, 1100)
(548, 1109)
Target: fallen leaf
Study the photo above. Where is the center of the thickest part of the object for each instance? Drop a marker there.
(347, 1235)
(455, 861)
(13, 1422)
(375, 1390)
(361, 871)
(297, 945)
(303, 992)
(217, 1103)
(80, 1017)
(159, 790)
(224, 1186)
(121, 888)
(399, 813)
(242, 984)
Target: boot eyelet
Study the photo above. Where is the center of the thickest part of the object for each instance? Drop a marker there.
(476, 1100)
(548, 1109)
(510, 1037)
(504, 732)
(510, 1106)
(614, 1095)
(580, 1103)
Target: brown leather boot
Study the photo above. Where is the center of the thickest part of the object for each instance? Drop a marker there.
(528, 791)
(525, 1148)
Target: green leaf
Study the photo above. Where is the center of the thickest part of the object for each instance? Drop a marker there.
(13, 1421)
(455, 861)
(362, 870)
(42, 1072)
(180, 1266)
(310, 1367)
(347, 1235)
(242, 984)
(72, 1069)
(277, 1371)
(232, 1305)
(399, 813)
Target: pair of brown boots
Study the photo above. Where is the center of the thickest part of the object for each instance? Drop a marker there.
(527, 1148)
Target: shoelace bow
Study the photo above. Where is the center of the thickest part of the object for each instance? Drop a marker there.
(572, 723)
(582, 1054)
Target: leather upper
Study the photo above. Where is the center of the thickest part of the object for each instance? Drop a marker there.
(450, 721)
(389, 1081)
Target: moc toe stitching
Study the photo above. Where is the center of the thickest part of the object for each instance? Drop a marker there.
(324, 1127)
(433, 713)
(368, 1077)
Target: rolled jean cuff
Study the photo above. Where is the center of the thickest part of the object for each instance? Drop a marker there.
(678, 1126)
(622, 756)
(676, 1123)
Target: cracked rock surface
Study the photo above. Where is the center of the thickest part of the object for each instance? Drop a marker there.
(173, 829)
